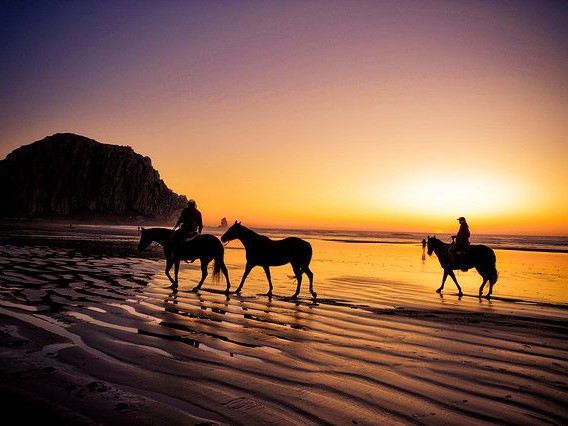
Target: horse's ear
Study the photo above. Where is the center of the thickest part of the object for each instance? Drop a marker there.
(236, 222)
(239, 222)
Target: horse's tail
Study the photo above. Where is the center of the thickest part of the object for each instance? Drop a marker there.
(494, 275)
(216, 270)
(218, 260)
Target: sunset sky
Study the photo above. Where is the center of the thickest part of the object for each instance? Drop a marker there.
(363, 115)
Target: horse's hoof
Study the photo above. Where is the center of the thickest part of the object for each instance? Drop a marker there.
(195, 289)
(294, 296)
(315, 295)
(439, 290)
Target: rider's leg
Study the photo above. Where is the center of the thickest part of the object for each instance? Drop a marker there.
(452, 255)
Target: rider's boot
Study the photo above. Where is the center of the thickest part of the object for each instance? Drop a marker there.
(460, 261)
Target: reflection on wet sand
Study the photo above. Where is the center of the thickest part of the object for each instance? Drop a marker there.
(372, 349)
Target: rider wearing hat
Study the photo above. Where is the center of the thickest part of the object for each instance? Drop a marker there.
(461, 240)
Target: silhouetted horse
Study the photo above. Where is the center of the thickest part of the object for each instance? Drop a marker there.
(206, 247)
(262, 251)
(480, 257)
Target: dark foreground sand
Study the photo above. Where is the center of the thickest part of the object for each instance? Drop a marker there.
(100, 339)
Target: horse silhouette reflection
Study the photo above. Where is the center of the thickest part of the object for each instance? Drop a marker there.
(265, 252)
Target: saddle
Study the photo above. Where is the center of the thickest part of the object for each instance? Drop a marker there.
(191, 236)
(188, 238)
(461, 258)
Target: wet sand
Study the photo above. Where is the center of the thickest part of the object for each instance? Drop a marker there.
(91, 338)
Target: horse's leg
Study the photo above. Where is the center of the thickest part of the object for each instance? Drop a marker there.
(176, 271)
(453, 277)
(487, 276)
(204, 264)
(226, 274)
(298, 274)
(491, 283)
(443, 281)
(169, 264)
(248, 268)
(485, 279)
(267, 272)
(493, 277)
(310, 275)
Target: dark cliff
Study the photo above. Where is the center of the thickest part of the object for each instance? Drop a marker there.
(71, 176)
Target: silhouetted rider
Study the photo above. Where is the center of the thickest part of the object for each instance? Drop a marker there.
(461, 241)
(190, 223)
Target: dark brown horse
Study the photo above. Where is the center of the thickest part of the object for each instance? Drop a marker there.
(480, 257)
(262, 251)
(205, 247)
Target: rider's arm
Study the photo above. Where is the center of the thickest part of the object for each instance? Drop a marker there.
(199, 224)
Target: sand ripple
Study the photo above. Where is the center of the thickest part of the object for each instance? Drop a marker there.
(356, 359)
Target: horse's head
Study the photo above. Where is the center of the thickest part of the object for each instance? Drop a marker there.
(430, 244)
(145, 239)
(233, 232)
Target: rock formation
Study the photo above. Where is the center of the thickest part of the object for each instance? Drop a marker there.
(71, 176)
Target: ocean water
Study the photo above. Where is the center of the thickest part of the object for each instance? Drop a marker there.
(496, 241)
(532, 269)
(49, 230)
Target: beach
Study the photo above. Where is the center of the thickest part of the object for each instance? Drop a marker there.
(91, 333)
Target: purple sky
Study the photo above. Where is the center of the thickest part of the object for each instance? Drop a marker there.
(362, 85)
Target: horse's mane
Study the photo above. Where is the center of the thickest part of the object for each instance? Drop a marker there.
(162, 233)
(252, 233)
(440, 242)
(437, 244)
(160, 230)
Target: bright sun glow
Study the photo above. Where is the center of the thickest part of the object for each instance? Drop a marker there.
(455, 193)
(363, 115)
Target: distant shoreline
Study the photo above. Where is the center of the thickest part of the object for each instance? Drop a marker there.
(543, 250)
(513, 248)
(17, 231)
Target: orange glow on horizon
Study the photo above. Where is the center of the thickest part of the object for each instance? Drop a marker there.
(361, 116)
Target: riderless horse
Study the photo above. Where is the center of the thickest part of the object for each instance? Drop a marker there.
(480, 257)
(205, 247)
(262, 251)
